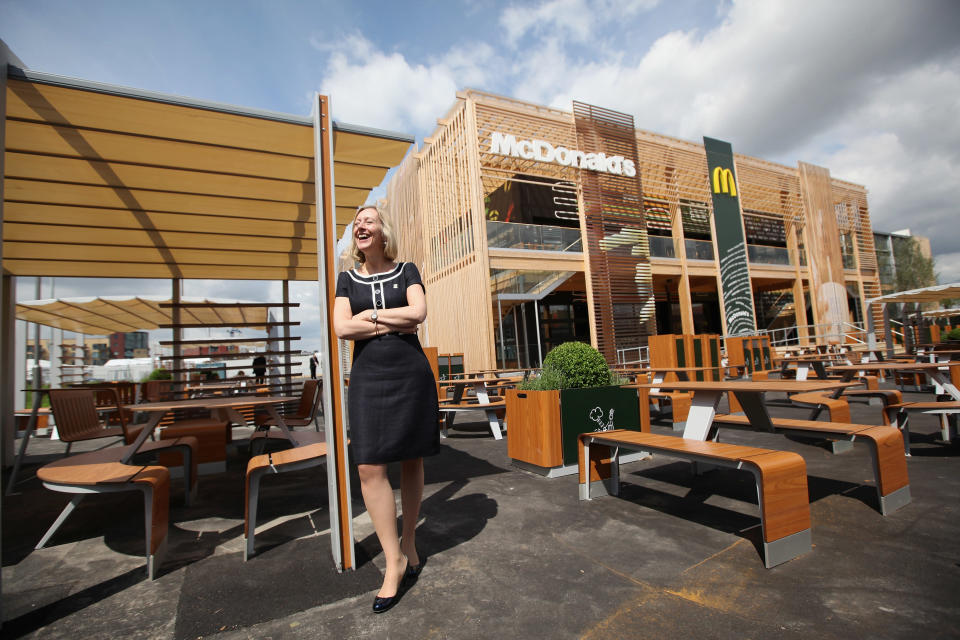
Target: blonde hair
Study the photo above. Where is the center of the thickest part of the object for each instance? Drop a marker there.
(390, 248)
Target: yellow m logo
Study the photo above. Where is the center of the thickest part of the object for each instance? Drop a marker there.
(723, 182)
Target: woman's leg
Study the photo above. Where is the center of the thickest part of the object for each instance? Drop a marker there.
(411, 493)
(382, 507)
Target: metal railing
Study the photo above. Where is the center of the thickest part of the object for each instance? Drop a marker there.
(633, 355)
(513, 235)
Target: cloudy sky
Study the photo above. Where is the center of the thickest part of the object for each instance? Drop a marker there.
(868, 88)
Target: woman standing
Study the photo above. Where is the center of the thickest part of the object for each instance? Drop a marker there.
(392, 398)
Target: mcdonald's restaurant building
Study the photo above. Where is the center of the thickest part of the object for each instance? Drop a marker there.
(533, 226)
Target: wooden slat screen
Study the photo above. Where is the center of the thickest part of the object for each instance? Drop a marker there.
(617, 246)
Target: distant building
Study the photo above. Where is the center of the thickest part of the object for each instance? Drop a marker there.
(123, 345)
(886, 245)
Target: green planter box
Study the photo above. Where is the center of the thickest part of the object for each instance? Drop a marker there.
(595, 409)
(542, 426)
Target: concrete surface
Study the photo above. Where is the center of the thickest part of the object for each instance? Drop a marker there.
(509, 554)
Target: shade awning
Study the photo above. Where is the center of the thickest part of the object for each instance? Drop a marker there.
(107, 181)
(942, 313)
(123, 314)
(925, 294)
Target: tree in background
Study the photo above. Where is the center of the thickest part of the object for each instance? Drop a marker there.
(914, 270)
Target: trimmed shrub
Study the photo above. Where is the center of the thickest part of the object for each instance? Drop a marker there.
(572, 365)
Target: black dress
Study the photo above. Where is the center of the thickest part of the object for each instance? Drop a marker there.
(392, 397)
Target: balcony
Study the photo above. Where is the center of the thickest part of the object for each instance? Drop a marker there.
(662, 247)
(698, 249)
(762, 254)
(535, 237)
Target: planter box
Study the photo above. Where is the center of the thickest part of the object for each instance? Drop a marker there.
(542, 426)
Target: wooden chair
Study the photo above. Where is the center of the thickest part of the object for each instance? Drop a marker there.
(102, 472)
(306, 411)
(75, 412)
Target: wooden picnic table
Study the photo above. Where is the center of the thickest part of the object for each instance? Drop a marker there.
(481, 386)
(816, 361)
(707, 394)
(942, 380)
(225, 407)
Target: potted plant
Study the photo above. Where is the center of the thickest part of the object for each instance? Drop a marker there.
(575, 393)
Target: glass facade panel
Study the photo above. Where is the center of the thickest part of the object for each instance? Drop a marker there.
(698, 249)
(511, 235)
(662, 247)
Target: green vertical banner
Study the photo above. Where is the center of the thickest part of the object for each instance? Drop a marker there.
(731, 246)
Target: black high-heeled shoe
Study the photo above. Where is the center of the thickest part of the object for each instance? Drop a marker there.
(381, 605)
(413, 572)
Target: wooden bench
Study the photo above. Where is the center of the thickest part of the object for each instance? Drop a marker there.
(885, 396)
(494, 408)
(837, 408)
(899, 415)
(781, 479)
(211, 437)
(102, 472)
(886, 449)
(309, 452)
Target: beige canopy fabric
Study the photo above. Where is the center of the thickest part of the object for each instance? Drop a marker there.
(121, 314)
(926, 294)
(942, 313)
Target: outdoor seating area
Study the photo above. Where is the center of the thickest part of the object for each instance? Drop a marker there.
(663, 556)
(714, 486)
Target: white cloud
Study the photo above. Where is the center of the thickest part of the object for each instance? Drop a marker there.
(385, 90)
(575, 20)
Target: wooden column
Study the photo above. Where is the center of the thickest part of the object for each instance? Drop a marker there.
(828, 291)
(334, 418)
(175, 320)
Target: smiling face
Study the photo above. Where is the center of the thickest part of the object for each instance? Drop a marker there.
(368, 231)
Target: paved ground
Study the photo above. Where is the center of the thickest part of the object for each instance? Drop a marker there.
(509, 555)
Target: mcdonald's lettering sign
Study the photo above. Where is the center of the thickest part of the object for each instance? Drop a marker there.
(723, 182)
(731, 246)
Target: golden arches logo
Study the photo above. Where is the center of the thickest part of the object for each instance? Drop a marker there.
(723, 182)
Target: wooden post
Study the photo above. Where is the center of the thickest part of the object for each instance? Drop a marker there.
(334, 420)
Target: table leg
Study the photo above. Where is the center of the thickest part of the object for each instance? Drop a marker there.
(944, 382)
(155, 418)
(31, 425)
(702, 410)
(272, 410)
(755, 410)
(492, 420)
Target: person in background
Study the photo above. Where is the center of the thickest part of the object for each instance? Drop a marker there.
(314, 363)
(260, 369)
(392, 398)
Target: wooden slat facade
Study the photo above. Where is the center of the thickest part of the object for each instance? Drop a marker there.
(437, 197)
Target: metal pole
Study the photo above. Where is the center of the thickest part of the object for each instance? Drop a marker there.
(503, 345)
(536, 314)
(287, 379)
(516, 335)
(526, 337)
(888, 331)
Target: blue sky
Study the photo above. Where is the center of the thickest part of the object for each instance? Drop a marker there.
(868, 88)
